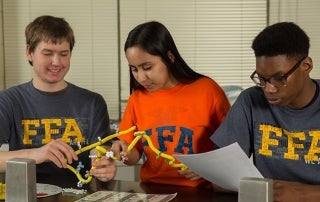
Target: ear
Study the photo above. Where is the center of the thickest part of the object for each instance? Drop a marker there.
(307, 64)
(28, 53)
(171, 56)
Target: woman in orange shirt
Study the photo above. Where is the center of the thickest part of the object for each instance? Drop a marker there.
(177, 107)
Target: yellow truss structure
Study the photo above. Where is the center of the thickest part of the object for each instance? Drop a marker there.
(102, 151)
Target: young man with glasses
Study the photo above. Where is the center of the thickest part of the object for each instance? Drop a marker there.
(278, 120)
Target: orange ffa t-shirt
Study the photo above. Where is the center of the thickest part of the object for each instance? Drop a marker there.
(179, 120)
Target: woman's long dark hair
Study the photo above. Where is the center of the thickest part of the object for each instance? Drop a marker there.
(154, 38)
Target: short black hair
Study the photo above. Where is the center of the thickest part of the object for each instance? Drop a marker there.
(283, 38)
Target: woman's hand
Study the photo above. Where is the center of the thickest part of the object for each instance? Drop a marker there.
(119, 149)
(189, 174)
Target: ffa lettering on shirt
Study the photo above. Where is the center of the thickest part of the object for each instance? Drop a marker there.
(66, 128)
(277, 142)
(166, 134)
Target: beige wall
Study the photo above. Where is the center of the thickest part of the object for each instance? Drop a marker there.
(98, 59)
(1, 50)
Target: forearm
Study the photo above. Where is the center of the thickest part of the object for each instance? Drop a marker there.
(295, 191)
(312, 193)
(6, 155)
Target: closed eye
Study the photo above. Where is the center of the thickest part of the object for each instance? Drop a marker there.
(48, 53)
(64, 53)
(146, 68)
(133, 68)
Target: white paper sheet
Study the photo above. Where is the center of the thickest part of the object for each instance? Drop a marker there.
(224, 167)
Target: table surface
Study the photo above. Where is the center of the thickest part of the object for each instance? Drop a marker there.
(184, 194)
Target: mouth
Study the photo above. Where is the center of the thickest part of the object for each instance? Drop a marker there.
(274, 101)
(147, 86)
(54, 70)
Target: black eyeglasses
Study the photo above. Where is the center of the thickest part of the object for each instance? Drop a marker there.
(276, 81)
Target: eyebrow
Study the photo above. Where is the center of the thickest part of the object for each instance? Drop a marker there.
(277, 74)
(50, 50)
(140, 65)
(298, 63)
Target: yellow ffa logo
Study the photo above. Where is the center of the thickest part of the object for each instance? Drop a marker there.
(294, 142)
(51, 127)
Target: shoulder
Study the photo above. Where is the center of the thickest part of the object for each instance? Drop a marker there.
(139, 94)
(206, 83)
(84, 93)
(252, 96)
(208, 87)
(81, 90)
(15, 90)
(13, 96)
(205, 80)
(317, 81)
(252, 92)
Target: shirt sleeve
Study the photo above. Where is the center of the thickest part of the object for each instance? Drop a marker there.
(235, 127)
(128, 120)
(6, 118)
(101, 123)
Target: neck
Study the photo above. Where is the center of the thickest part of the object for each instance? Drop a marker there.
(314, 93)
(49, 87)
(307, 95)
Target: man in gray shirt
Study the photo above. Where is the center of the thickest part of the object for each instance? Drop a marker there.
(48, 118)
(278, 120)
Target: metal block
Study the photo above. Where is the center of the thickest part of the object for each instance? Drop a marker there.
(20, 179)
(255, 189)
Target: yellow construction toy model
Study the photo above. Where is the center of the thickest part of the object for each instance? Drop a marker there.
(104, 152)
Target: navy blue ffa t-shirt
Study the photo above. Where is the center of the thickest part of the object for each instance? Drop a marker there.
(30, 118)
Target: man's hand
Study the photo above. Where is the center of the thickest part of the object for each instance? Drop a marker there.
(56, 151)
(104, 168)
(286, 191)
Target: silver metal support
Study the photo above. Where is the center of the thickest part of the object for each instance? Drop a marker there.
(21, 183)
(255, 189)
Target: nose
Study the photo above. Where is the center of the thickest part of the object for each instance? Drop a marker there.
(56, 60)
(140, 76)
(270, 88)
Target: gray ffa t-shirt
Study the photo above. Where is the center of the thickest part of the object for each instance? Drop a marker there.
(30, 118)
(285, 142)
